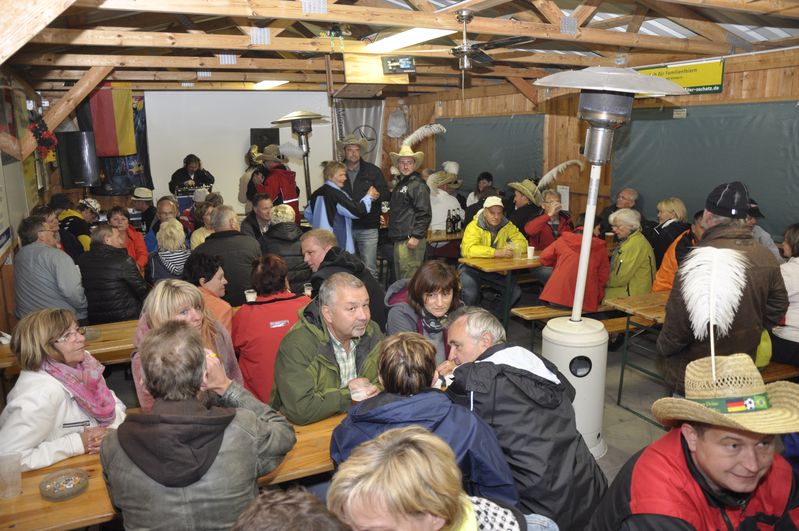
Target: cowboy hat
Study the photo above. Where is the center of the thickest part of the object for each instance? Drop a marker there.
(271, 153)
(737, 399)
(528, 189)
(140, 193)
(352, 140)
(439, 179)
(407, 151)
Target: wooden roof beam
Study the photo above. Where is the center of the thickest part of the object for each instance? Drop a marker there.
(781, 8)
(285, 9)
(525, 88)
(688, 18)
(585, 11)
(57, 113)
(549, 9)
(244, 63)
(609, 23)
(23, 20)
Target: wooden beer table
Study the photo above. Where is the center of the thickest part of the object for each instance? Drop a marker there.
(503, 266)
(28, 511)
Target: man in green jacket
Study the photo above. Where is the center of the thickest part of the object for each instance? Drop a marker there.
(329, 358)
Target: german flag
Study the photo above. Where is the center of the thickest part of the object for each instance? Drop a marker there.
(736, 407)
(112, 120)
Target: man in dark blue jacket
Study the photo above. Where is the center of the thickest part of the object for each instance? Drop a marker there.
(406, 367)
(361, 176)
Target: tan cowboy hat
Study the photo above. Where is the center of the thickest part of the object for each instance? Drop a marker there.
(352, 140)
(439, 179)
(272, 153)
(738, 399)
(528, 189)
(407, 151)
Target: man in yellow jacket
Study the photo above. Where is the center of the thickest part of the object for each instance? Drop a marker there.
(488, 235)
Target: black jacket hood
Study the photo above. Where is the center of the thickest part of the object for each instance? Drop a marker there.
(177, 442)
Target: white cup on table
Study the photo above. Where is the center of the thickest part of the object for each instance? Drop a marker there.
(530, 252)
(250, 295)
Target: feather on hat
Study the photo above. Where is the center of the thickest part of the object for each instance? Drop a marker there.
(406, 150)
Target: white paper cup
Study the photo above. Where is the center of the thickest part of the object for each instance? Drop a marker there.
(530, 253)
(307, 289)
(10, 475)
(250, 295)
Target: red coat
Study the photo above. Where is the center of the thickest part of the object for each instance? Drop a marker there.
(563, 256)
(137, 249)
(281, 185)
(258, 329)
(539, 232)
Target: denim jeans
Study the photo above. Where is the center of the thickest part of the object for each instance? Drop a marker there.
(366, 247)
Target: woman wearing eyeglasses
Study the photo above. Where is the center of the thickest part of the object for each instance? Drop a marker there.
(60, 406)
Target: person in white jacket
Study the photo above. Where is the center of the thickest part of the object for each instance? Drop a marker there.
(60, 406)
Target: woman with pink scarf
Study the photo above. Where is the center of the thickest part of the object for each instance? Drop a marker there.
(60, 406)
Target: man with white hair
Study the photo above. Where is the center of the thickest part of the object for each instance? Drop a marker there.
(527, 402)
(283, 239)
(626, 198)
(238, 251)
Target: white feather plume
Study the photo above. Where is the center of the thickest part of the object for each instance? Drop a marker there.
(394, 171)
(712, 285)
(451, 167)
(422, 133)
(552, 174)
(291, 150)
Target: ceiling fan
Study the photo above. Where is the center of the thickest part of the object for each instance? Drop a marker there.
(470, 53)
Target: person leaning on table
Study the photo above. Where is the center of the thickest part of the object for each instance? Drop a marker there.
(60, 406)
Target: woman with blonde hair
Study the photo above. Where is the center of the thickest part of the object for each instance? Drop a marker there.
(171, 256)
(173, 299)
(632, 266)
(672, 222)
(407, 479)
(60, 406)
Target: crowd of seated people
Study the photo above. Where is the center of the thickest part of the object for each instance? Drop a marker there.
(243, 331)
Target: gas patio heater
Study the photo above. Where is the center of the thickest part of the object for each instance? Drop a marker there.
(301, 124)
(577, 345)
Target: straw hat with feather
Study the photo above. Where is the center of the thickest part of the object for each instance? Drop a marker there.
(406, 150)
(446, 176)
(528, 189)
(272, 153)
(352, 140)
(737, 398)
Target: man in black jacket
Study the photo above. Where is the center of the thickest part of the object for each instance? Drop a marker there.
(238, 251)
(410, 213)
(257, 222)
(283, 239)
(115, 290)
(324, 257)
(361, 176)
(527, 402)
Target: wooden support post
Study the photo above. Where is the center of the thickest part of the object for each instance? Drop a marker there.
(23, 20)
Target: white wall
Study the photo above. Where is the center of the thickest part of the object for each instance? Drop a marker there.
(215, 126)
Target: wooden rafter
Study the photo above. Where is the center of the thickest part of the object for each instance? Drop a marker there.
(525, 88)
(402, 18)
(23, 20)
(585, 11)
(58, 112)
(244, 63)
(549, 9)
(609, 23)
(474, 5)
(782, 8)
(688, 18)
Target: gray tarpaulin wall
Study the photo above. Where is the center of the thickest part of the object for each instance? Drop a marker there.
(757, 144)
(510, 147)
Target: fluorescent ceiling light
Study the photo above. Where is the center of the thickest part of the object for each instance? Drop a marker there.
(269, 83)
(407, 38)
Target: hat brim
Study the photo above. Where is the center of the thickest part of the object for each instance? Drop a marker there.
(264, 158)
(417, 156)
(524, 191)
(781, 417)
(361, 143)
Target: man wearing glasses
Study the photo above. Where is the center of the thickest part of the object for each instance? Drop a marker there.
(45, 277)
(626, 199)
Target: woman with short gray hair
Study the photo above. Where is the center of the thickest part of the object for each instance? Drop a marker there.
(632, 267)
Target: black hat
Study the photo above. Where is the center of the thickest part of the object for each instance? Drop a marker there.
(754, 209)
(730, 200)
(60, 202)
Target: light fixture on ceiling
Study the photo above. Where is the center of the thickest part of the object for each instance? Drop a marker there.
(267, 84)
(578, 346)
(406, 38)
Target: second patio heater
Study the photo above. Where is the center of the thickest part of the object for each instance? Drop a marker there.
(577, 345)
(301, 125)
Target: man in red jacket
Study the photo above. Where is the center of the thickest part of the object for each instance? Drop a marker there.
(718, 467)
